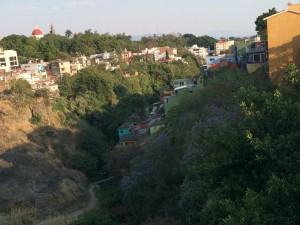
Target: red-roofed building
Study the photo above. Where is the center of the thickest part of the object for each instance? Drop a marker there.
(222, 45)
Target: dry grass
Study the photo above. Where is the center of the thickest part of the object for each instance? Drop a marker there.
(21, 218)
(14, 125)
(63, 220)
(32, 169)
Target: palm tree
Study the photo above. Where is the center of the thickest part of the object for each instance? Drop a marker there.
(68, 33)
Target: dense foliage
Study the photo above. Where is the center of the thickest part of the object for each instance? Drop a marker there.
(228, 156)
(261, 24)
(97, 102)
(90, 42)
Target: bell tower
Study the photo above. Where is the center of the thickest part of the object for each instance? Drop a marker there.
(52, 29)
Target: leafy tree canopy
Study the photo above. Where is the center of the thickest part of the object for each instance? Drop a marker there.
(261, 24)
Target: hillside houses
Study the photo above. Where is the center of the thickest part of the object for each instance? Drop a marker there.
(161, 53)
(133, 131)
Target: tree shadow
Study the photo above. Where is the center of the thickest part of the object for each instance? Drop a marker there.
(281, 56)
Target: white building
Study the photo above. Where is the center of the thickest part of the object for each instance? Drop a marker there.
(8, 60)
(198, 51)
(160, 52)
(36, 69)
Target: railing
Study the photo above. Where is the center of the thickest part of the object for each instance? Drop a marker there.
(256, 49)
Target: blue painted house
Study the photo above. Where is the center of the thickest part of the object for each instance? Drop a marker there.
(126, 129)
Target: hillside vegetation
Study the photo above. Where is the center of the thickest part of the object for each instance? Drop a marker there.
(45, 139)
(229, 155)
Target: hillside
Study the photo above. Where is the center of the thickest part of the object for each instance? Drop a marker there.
(33, 178)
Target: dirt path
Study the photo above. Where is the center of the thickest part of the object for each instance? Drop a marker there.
(74, 215)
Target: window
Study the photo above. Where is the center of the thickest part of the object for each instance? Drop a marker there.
(2, 59)
(12, 58)
(256, 58)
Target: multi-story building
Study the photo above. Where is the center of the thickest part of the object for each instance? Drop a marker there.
(222, 45)
(198, 51)
(59, 68)
(283, 40)
(8, 60)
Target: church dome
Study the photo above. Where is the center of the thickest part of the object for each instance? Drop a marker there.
(36, 31)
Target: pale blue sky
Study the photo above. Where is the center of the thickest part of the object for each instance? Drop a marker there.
(135, 17)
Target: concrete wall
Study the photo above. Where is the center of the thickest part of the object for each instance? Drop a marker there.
(283, 43)
(294, 7)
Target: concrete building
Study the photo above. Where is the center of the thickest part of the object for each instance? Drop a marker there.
(222, 45)
(198, 51)
(36, 69)
(283, 40)
(59, 68)
(160, 53)
(8, 60)
(75, 67)
(257, 56)
(210, 60)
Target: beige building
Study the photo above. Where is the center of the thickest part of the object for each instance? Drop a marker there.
(8, 60)
(222, 46)
(59, 68)
(283, 40)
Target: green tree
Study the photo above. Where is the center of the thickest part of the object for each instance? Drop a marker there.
(167, 55)
(22, 92)
(48, 50)
(86, 163)
(261, 24)
(292, 75)
(203, 41)
(155, 173)
(189, 36)
(68, 34)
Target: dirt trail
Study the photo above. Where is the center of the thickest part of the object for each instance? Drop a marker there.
(74, 215)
